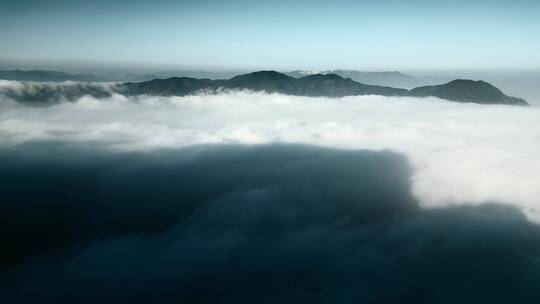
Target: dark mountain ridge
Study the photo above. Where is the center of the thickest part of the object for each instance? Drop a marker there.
(175, 86)
(320, 85)
(270, 81)
(316, 85)
(461, 90)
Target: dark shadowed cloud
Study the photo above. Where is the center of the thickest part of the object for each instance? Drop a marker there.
(244, 224)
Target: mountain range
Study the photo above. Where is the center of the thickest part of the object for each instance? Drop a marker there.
(319, 85)
(385, 78)
(108, 76)
(391, 79)
(314, 85)
(45, 75)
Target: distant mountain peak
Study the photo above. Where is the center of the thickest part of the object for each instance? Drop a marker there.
(465, 90)
(385, 78)
(44, 75)
(327, 76)
(263, 74)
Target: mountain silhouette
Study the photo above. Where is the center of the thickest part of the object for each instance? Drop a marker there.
(315, 85)
(462, 90)
(319, 85)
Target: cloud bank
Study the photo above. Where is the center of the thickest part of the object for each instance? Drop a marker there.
(245, 224)
(459, 152)
(242, 197)
(43, 93)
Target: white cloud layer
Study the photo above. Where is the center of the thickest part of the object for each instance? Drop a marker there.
(460, 152)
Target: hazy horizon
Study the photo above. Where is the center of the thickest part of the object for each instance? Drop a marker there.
(279, 35)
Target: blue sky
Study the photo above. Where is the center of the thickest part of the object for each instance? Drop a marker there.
(239, 34)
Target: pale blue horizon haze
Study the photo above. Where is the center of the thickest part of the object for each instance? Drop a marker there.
(404, 35)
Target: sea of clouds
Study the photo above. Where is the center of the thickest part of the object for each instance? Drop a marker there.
(459, 152)
(243, 197)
